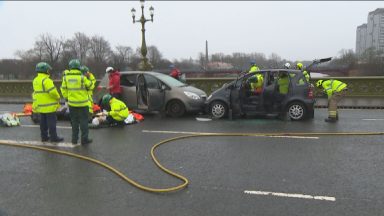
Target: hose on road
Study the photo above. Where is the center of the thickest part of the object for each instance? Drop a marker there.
(174, 174)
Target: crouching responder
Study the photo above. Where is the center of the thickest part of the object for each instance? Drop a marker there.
(335, 90)
(119, 111)
(45, 102)
(91, 77)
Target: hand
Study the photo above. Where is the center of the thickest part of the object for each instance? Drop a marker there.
(105, 112)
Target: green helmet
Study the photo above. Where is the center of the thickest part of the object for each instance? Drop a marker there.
(84, 69)
(43, 67)
(74, 64)
(106, 98)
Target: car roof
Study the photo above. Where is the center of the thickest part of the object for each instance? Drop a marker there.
(141, 72)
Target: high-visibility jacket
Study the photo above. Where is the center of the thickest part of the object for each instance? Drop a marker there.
(283, 83)
(92, 78)
(75, 88)
(332, 86)
(119, 111)
(253, 68)
(45, 95)
(306, 75)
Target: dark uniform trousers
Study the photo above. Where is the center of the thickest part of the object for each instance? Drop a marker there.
(79, 118)
(48, 123)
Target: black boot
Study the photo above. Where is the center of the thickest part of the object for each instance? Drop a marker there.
(330, 119)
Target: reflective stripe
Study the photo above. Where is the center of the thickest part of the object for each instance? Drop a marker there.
(75, 89)
(337, 88)
(50, 89)
(45, 105)
(42, 84)
(78, 102)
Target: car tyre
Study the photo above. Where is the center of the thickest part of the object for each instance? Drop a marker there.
(297, 111)
(218, 109)
(175, 108)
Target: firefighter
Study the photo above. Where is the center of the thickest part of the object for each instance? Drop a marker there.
(335, 90)
(119, 111)
(256, 81)
(46, 100)
(91, 77)
(75, 87)
(299, 66)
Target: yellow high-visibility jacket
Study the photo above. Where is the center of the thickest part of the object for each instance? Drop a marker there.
(332, 86)
(119, 111)
(45, 96)
(92, 78)
(283, 83)
(74, 88)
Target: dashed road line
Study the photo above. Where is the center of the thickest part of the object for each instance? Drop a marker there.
(291, 195)
(373, 119)
(38, 143)
(38, 126)
(205, 133)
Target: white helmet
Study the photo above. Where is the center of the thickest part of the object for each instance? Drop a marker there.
(287, 65)
(109, 69)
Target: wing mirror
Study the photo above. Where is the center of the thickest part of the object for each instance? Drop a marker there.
(163, 87)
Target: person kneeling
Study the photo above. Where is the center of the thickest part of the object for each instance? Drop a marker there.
(118, 113)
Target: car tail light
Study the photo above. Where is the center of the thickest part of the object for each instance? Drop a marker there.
(310, 93)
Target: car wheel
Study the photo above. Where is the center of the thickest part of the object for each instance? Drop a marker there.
(175, 108)
(297, 111)
(218, 109)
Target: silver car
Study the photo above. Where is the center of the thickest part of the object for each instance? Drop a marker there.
(152, 91)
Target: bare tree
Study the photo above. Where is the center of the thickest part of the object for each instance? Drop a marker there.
(100, 49)
(50, 47)
(78, 46)
(154, 55)
(122, 56)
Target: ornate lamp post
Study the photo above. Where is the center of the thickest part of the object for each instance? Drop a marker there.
(144, 63)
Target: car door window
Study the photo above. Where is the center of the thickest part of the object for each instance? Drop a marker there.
(152, 82)
(128, 80)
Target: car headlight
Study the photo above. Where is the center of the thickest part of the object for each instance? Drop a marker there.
(192, 95)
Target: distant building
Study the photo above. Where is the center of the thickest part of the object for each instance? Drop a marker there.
(371, 34)
(361, 34)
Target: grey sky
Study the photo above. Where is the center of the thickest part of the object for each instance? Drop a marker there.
(296, 30)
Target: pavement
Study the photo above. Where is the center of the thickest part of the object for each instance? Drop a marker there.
(301, 175)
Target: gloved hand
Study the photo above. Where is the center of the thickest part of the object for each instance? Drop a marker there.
(105, 112)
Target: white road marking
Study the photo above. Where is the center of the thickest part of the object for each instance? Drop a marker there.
(205, 133)
(299, 196)
(38, 143)
(373, 119)
(38, 126)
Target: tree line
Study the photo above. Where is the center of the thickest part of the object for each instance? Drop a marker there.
(96, 53)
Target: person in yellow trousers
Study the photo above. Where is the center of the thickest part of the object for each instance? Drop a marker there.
(46, 100)
(91, 77)
(75, 87)
(119, 111)
(335, 90)
(257, 80)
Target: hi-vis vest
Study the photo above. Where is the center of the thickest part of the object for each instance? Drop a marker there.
(332, 86)
(75, 88)
(119, 111)
(92, 78)
(45, 96)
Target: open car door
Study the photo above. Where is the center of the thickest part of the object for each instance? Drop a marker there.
(155, 93)
(141, 93)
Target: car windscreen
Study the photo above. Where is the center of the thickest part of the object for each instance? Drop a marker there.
(172, 82)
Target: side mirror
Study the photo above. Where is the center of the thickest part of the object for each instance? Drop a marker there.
(163, 87)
